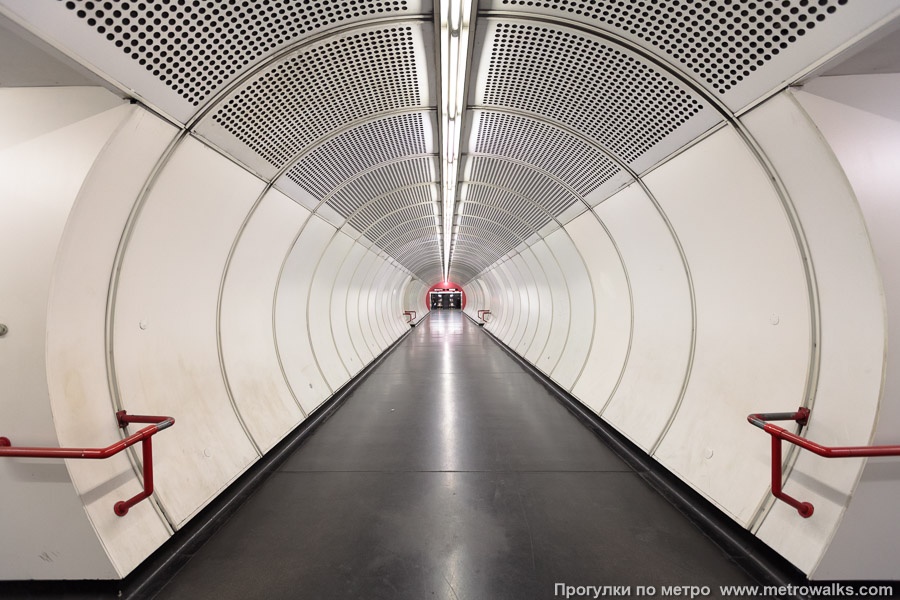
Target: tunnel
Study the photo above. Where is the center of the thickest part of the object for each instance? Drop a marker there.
(659, 217)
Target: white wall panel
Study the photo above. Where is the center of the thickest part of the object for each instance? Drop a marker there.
(534, 308)
(76, 356)
(358, 315)
(662, 321)
(292, 337)
(510, 300)
(545, 308)
(753, 318)
(559, 327)
(318, 314)
(165, 324)
(864, 136)
(389, 307)
(581, 294)
(372, 328)
(375, 304)
(401, 281)
(611, 310)
(340, 317)
(49, 140)
(523, 281)
(258, 387)
(495, 300)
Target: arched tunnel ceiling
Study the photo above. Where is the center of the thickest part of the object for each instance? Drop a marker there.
(337, 104)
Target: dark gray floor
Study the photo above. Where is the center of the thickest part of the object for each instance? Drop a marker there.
(450, 473)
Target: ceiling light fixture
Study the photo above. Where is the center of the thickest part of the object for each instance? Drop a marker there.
(455, 18)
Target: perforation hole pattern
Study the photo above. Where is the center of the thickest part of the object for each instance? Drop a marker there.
(527, 182)
(195, 46)
(517, 229)
(412, 232)
(624, 104)
(305, 97)
(419, 254)
(378, 215)
(361, 148)
(580, 165)
(389, 225)
(498, 233)
(530, 214)
(723, 42)
(379, 182)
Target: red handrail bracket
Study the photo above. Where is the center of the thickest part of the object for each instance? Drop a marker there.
(124, 419)
(411, 314)
(801, 417)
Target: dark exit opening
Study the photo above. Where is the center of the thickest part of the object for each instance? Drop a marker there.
(446, 299)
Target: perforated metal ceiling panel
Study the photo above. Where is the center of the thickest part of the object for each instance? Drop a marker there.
(580, 165)
(364, 147)
(622, 102)
(178, 53)
(520, 179)
(737, 49)
(320, 89)
(421, 254)
(381, 213)
(380, 180)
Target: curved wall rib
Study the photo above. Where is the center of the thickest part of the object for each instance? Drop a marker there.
(677, 249)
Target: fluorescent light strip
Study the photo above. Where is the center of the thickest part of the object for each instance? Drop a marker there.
(455, 19)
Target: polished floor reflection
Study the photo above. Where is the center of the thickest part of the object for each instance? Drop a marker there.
(450, 473)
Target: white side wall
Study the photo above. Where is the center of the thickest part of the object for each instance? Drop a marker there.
(49, 140)
(221, 319)
(693, 282)
(858, 118)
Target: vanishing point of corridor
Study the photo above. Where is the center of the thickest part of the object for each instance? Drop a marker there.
(451, 473)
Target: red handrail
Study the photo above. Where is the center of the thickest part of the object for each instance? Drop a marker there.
(482, 312)
(801, 417)
(144, 436)
(411, 314)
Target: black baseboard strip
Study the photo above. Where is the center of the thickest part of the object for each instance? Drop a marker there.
(155, 572)
(756, 558)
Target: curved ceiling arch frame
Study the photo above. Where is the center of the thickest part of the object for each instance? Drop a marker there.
(318, 87)
(380, 180)
(562, 272)
(110, 318)
(865, 20)
(546, 174)
(574, 159)
(388, 234)
(362, 148)
(624, 169)
(634, 178)
(362, 232)
(413, 246)
(427, 231)
(121, 251)
(683, 257)
(629, 103)
(61, 27)
(331, 240)
(376, 167)
(780, 189)
(486, 242)
(790, 211)
(366, 256)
